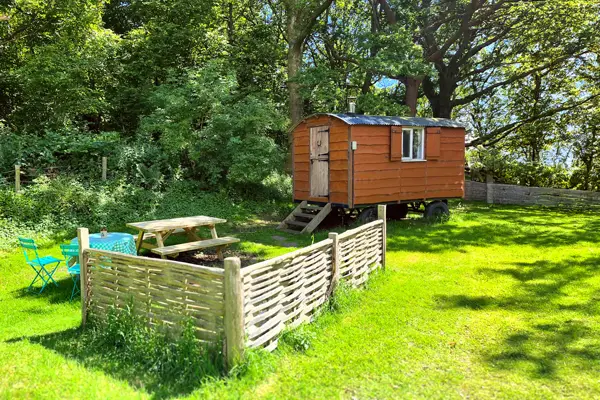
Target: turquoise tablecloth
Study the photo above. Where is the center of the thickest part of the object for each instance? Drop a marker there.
(115, 241)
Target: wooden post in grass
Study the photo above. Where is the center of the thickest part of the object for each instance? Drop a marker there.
(104, 167)
(489, 186)
(17, 178)
(335, 261)
(83, 237)
(234, 312)
(381, 214)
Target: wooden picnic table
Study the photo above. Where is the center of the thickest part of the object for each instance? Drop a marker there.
(162, 229)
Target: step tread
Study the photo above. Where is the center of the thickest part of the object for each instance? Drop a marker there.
(311, 207)
(305, 215)
(297, 223)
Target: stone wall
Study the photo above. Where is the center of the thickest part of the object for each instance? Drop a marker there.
(522, 195)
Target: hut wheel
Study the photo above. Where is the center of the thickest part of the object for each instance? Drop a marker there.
(368, 215)
(436, 209)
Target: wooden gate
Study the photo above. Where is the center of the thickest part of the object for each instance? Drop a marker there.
(319, 161)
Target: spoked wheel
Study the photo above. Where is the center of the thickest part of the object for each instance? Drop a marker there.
(436, 210)
(367, 215)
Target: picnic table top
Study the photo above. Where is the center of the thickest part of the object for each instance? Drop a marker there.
(174, 223)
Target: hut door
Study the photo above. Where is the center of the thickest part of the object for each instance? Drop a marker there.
(319, 161)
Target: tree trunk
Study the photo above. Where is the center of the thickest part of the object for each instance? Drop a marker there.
(441, 102)
(294, 63)
(300, 20)
(295, 99)
(412, 93)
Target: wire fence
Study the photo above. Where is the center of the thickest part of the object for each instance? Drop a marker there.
(20, 176)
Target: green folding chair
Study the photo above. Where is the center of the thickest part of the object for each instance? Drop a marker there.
(39, 264)
(71, 254)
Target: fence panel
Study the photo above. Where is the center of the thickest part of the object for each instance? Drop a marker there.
(165, 292)
(285, 291)
(361, 252)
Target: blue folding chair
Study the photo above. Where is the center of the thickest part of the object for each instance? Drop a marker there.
(71, 254)
(39, 264)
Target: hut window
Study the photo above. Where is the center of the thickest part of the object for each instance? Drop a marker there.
(413, 144)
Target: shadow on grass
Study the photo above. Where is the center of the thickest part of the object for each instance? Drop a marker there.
(540, 349)
(559, 298)
(52, 294)
(76, 345)
(486, 225)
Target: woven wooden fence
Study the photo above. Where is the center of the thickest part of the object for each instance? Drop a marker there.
(164, 292)
(286, 291)
(246, 307)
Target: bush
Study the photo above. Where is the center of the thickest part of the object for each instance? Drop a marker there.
(69, 151)
(202, 124)
(58, 206)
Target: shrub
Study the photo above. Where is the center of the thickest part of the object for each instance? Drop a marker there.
(60, 205)
(299, 338)
(202, 124)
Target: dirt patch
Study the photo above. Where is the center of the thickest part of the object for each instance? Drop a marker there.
(209, 258)
(283, 241)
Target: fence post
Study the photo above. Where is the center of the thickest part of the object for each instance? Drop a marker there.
(83, 238)
(335, 261)
(104, 167)
(381, 214)
(234, 312)
(489, 188)
(17, 178)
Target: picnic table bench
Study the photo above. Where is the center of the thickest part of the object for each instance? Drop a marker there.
(162, 229)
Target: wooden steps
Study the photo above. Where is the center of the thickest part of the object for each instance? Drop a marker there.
(200, 244)
(305, 218)
(297, 223)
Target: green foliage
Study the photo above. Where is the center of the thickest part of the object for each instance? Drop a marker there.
(58, 206)
(507, 168)
(67, 151)
(343, 298)
(200, 117)
(299, 338)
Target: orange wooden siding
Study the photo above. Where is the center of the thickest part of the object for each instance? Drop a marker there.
(338, 160)
(378, 179)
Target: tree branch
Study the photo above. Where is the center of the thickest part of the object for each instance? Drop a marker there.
(498, 134)
(470, 98)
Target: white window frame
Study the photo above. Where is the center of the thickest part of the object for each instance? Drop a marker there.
(412, 135)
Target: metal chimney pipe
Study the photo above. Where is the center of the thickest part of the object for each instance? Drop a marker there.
(352, 104)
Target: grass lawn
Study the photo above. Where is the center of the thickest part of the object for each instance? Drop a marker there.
(499, 302)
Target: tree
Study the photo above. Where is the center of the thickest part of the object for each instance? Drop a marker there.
(478, 46)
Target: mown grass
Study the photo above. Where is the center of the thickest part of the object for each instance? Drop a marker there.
(498, 302)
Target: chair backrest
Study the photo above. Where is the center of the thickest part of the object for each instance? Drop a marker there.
(29, 249)
(69, 251)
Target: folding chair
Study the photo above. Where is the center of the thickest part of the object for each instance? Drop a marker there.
(71, 254)
(39, 264)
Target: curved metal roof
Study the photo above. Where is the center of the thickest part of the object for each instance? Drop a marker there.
(360, 119)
